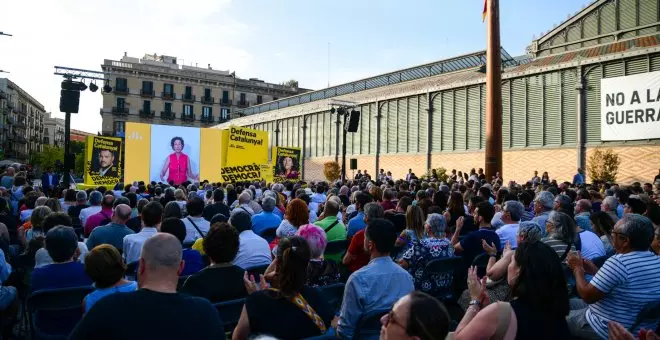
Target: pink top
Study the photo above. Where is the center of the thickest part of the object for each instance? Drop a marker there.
(178, 168)
(96, 219)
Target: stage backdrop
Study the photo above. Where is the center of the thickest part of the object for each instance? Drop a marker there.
(172, 153)
(165, 153)
(286, 163)
(103, 160)
(246, 157)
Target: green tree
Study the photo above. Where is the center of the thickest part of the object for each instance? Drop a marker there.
(603, 165)
(79, 167)
(47, 158)
(77, 147)
(291, 83)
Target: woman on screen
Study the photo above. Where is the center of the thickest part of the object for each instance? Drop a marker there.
(177, 164)
(287, 168)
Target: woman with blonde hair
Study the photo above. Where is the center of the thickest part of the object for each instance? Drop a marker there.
(414, 231)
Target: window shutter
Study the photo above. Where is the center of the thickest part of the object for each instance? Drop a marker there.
(474, 118)
(535, 112)
(552, 131)
(569, 108)
(403, 118)
(518, 113)
(447, 136)
(592, 119)
(460, 119)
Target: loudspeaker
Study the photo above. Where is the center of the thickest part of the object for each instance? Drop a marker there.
(353, 164)
(70, 96)
(352, 123)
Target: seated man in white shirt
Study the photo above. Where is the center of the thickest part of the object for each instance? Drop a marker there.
(196, 225)
(95, 199)
(152, 213)
(512, 211)
(253, 250)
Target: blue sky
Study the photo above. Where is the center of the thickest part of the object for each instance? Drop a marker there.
(271, 40)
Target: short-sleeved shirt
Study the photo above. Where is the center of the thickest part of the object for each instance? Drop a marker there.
(280, 318)
(558, 246)
(419, 255)
(217, 284)
(592, 246)
(356, 248)
(472, 243)
(508, 232)
(265, 220)
(629, 282)
(356, 224)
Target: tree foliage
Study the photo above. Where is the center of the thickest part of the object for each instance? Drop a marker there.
(603, 165)
(441, 172)
(291, 83)
(332, 171)
(48, 157)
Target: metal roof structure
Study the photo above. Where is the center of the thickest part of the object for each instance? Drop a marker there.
(463, 62)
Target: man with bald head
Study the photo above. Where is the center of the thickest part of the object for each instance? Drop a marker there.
(155, 310)
(112, 233)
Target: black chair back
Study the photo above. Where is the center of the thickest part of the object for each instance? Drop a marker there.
(230, 312)
(53, 313)
(269, 234)
(256, 271)
(188, 245)
(336, 247)
(447, 266)
(649, 314)
(131, 270)
(333, 294)
(368, 327)
(182, 280)
(481, 262)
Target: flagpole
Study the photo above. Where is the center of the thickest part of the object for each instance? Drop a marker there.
(493, 91)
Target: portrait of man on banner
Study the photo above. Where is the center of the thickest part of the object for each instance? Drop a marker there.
(105, 157)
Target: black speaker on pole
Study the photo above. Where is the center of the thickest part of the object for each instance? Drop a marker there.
(353, 163)
(70, 96)
(353, 122)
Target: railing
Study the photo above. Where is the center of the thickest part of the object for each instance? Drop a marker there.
(20, 125)
(120, 91)
(207, 100)
(243, 103)
(20, 111)
(147, 113)
(147, 93)
(169, 115)
(206, 119)
(120, 111)
(188, 117)
(190, 98)
(168, 95)
(61, 132)
(21, 139)
(3, 95)
(226, 102)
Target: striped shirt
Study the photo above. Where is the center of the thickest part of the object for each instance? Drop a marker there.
(558, 246)
(629, 282)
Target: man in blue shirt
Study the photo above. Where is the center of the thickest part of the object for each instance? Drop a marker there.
(266, 219)
(377, 285)
(61, 244)
(471, 246)
(578, 179)
(112, 233)
(357, 223)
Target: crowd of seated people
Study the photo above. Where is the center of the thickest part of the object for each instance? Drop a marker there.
(541, 260)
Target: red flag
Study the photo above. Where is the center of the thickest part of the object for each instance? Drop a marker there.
(483, 14)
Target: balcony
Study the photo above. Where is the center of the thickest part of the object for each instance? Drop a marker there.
(168, 115)
(20, 139)
(3, 95)
(225, 102)
(147, 114)
(120, 90)
(208, 100)
(168, 95)
(20, 125)
(243, 103)
(20, 111)
(222, 120)
(147, 93)
(59, 132)
(207, 119)
(46, 140)
(119, 111)
(188, 98)
(188, 117)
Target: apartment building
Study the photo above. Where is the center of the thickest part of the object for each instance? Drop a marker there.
(21, 123)
(53, 130)
(158, 90)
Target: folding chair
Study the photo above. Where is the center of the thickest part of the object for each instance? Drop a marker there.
(131, 270)
(256, 271)
(333, 294)
(336, 247)
(649, 314)
(368, 327)
(53, 313)
(230, 312)
(447, 266)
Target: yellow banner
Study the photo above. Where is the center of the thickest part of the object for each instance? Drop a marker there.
(138, 152)
(246, 156)
(211, 154)
(103, 160)
(286, 163)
